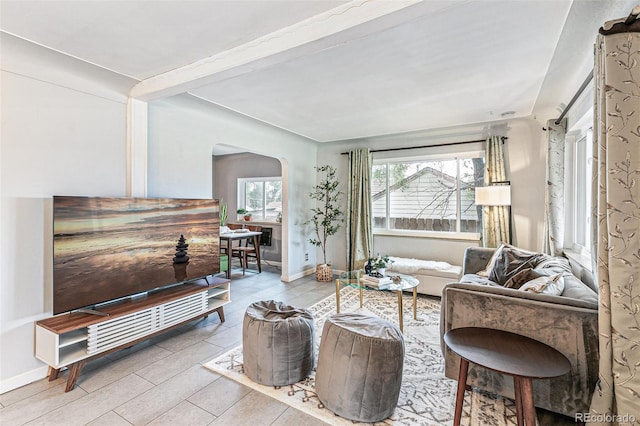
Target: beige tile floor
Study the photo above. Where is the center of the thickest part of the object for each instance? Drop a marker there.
(162, 381)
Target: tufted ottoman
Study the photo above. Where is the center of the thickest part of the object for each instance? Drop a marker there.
(360, 366)
(277, 343)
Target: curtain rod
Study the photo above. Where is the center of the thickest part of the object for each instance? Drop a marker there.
(428, 146)
(575, 97)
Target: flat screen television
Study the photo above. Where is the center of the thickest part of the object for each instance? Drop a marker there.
(109, 248)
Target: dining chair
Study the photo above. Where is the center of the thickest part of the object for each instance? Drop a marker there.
(248, 250)
(232, 226)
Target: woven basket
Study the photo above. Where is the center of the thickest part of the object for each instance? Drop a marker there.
(324, 273)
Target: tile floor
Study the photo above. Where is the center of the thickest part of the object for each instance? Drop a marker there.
(162, 381)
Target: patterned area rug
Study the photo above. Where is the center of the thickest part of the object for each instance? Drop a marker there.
(427, 397)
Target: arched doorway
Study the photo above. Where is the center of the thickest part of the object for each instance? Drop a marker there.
(233, 168)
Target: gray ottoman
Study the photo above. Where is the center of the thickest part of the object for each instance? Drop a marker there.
(277, 343)
(360, 366)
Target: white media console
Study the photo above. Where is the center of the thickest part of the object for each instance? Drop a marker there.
(72, 339)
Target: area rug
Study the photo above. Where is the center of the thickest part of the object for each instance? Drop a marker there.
(427, 397)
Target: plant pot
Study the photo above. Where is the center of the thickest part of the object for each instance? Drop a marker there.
(324, 272)
(247, 218)
(382, 271)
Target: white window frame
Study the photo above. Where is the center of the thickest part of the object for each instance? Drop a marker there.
(471, 236)
(242, 200)
(578, 181)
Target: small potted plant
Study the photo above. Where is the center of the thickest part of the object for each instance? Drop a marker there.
(245, 214)
(379, 264)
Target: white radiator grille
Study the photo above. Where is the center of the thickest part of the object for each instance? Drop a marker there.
(109, 334)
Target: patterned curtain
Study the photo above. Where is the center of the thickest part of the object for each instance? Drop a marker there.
(616, 251)
(359, 233)
(554, 193)
(495, 219)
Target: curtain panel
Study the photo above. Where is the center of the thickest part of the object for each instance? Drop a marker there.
(554, 191)
(359, 232)
(616, 242)
(495, 219)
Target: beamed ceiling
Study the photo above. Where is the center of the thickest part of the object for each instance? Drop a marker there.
(333, 70)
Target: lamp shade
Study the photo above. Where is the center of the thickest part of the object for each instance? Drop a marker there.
(497, 195)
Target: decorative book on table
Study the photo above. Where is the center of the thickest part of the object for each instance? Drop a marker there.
(381, 283)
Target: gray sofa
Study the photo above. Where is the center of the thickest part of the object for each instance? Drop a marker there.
(568, 322)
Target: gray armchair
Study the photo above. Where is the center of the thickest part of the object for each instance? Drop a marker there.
(568, 322)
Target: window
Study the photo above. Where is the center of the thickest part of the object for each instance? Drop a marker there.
(262, 197)
(428, 194)
(578, 212)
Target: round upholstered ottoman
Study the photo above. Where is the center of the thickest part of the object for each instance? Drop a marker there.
(277, 343)
(360, 366)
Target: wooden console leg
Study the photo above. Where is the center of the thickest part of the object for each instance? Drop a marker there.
(462, 385)
(53, 373)
(220, 313)
(74, 373)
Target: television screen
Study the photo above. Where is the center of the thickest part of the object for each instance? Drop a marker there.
(109, 248)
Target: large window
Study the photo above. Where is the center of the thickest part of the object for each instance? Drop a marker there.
(262, 197)
(427, 195)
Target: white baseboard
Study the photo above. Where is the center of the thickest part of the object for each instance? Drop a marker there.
(20, 380)
(304, 273)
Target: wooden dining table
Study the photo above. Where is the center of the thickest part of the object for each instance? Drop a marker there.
(239, 235)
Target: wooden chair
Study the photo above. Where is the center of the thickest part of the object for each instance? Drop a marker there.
(248, 250)
(232, 226)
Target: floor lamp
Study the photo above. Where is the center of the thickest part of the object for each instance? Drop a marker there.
(496, 194)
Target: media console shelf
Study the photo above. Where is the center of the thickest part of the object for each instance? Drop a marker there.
(74, 338)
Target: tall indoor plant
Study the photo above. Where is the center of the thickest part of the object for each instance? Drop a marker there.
(327, 216)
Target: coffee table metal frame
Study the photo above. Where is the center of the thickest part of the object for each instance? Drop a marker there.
(353, 279)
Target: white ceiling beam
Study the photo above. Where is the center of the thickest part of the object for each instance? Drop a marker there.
(267, 50)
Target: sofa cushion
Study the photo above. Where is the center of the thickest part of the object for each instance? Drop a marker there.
(477, 279)
(576, 289)
(552, 284)
(534, 265)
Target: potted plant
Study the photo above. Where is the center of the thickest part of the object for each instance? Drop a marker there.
(378, 265)
(245, 214)
(223, 217)
(326, 216)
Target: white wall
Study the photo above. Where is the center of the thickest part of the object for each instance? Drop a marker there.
(527, 149)
(62, 133)
(525, 158)
(182, 133)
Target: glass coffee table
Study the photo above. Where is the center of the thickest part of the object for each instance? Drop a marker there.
(400, 283)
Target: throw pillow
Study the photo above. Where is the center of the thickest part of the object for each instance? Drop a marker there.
(510, 261)
(524, 276)
(557, 264)
(492, 261)
(553, 285)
